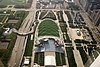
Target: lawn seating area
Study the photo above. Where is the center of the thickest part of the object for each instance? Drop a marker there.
(70, 56)
(39, 58)
(48, 27)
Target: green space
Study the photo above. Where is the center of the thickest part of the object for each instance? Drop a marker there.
(48, 27)
(5, 54)
(81, 41)
(2, 18)
(37, 14)
(63, 27)
(5, 11)
(83, 54)
(60, 16)
(95, 54)
(43, 13)
(60, 59)
(98, 49)
(47, 14)
(93, 51)
(19, 15)
(69, 16)
(70, 55)
(15, 2)
(72, 12)
(66, 38)
(39, 58)
(10, 15)
(78, 44)
(74, 7)
(68, 44)
(29, 47)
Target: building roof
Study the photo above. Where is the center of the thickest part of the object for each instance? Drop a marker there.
(49, 45)
(50, 61)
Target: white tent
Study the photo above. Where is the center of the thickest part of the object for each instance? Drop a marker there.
(26, 61)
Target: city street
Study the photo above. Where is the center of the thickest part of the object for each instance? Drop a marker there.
(20, 44)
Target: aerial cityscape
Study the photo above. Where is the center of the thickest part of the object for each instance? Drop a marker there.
(49, 33)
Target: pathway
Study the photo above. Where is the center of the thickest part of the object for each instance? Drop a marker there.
(77, 56)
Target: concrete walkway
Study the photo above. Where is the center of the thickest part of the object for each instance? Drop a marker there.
(77, 56)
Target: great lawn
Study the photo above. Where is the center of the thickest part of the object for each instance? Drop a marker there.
(49, 28)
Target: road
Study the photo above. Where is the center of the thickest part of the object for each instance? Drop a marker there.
(30, 9)
(89, 23)
(20, 44)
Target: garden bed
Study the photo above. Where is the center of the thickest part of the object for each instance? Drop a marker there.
(83, 54)
(39, 58)
(60, 59)
(29, 47)
(70, 55)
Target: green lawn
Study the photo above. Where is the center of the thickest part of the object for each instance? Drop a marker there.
(48, 27)
(29, 47)
(13, 2)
